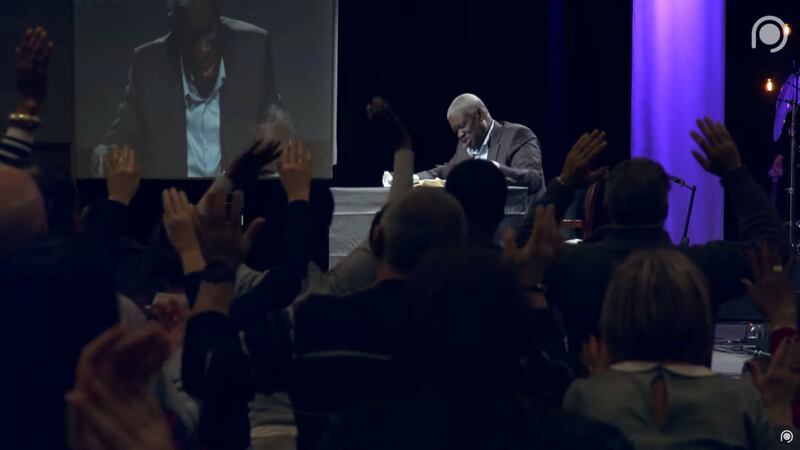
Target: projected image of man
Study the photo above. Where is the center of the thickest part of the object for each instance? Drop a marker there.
(195, 96)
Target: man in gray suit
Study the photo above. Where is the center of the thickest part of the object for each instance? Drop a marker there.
(195, 96)
(513, 148)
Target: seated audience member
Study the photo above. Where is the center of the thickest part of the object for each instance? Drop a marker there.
(636, 200)
(464, 340)
(363, 321)
(511, 147)
(658, 330)
(356, 271)
(481, 190)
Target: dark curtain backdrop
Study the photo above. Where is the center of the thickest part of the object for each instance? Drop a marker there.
(559, 67)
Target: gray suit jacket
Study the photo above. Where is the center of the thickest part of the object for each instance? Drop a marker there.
(515, 148)
(152, 117)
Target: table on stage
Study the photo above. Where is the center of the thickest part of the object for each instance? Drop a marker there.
(355, 207)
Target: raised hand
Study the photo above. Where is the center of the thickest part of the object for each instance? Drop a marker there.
(122, 174)
(772, 289)
(295, 171)
(220, 233)
(111, 392)
(31, 60)
(577, 172)
(172, 313)
(719, 153)
(594, 356)
(179, 220)
(250, 163)
(378, 108)
(780, 384)
(532, 260)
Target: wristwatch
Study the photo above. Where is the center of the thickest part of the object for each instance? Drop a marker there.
(218, 272)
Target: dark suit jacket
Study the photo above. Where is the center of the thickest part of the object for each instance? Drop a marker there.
(515, 148)
(152, 117)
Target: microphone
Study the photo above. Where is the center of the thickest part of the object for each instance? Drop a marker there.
(681, 182)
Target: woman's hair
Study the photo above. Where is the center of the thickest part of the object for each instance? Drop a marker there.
(656, 308)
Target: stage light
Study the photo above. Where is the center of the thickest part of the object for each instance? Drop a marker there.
(770, 85)
(787, 29)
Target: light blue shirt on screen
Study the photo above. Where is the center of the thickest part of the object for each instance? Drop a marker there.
(203, 147)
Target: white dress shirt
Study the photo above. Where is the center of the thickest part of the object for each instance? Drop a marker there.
(204, 152)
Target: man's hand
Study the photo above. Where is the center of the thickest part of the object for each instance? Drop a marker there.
(122, 174)
(250, 164)
(220, 233)
(179, 220)
(577, 171)
(31, 60)
(295, 170)
(720, 154)
(172, 312)
(111, 392)
(780, 384)
(379, 108)
(772, 289)
(532, 260)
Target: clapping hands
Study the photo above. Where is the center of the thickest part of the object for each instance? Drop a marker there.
(221, 234)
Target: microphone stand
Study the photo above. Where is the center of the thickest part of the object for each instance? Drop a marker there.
(685, 238)
(693, 189)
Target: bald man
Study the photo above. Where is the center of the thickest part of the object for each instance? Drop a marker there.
(513, 148)
(22, 213)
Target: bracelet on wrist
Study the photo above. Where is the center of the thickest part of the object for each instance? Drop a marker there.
(25, 121)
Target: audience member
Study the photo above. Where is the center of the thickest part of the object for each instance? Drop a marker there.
(465, 338)
(636, 200)
(659, 390)
(462, 344)
(481, 190)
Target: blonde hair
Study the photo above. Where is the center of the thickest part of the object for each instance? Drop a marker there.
(656, 308)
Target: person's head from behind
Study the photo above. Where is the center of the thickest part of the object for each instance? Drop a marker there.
(469, 119)
(465, 323)
(636, 193)
(656, 308)
(196, 26)
(22, 209)
(481, 190)
(410, 228)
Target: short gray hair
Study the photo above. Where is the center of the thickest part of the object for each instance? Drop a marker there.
(469, 103)
(426, 219)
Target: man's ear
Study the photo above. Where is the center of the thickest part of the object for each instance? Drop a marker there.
(377, 242)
